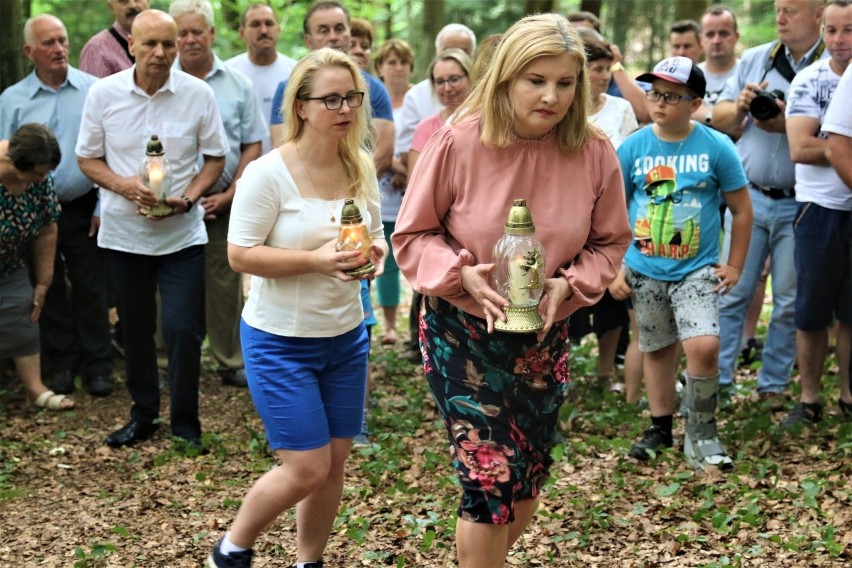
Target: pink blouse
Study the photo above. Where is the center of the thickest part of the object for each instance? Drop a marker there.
(460, 194)
(426, 128)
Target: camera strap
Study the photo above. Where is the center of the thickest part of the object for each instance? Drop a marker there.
(123, 43)
(778, 60)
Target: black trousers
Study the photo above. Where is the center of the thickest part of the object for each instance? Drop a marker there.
(74, 323)
(179, 277)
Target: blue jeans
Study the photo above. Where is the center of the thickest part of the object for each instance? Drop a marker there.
(179, 277)
(771, 235)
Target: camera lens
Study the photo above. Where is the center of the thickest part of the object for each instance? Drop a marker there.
(763, 106)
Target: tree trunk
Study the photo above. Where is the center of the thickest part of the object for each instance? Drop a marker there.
(12, 67)
(593, 6)
(230, 14)
(689, 9)
(538, 6)
(433, 21)
(620, 17)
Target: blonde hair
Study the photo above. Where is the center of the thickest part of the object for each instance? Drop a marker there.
(453, 54)
(355, 147)
(482, 57)
(540, 35)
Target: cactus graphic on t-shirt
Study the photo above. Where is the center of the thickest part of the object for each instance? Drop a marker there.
(659, 234)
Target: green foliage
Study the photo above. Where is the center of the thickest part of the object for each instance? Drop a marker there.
(640, 27)
(95, 556)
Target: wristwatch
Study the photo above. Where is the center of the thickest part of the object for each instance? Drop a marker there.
(615, 67)
(189, 202)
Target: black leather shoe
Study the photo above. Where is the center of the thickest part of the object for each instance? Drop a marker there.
(100, 385)
(63, 382)
(132, 432)
(235, 378)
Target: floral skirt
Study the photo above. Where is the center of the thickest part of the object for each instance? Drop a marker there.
(499, 395)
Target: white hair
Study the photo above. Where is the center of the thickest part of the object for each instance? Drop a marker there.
(29, 38)
(180, 7)
(450, 29)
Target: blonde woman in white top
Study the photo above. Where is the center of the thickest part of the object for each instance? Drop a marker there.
(304, 341)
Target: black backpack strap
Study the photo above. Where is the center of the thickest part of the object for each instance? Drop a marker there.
(123, 43)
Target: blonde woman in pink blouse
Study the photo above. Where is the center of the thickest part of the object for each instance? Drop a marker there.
(522, 133)
(449, 74)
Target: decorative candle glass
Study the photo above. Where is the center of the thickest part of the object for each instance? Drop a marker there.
(354, 235)
(156, 174)
(519, 271)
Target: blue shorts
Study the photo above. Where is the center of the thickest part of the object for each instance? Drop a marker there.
(306, 390)
(823, 266)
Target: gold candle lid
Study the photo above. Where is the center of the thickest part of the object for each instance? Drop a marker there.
(155, 147)
(520, 221)
(350, 215)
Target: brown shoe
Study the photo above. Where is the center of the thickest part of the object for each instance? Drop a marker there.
(774, 400)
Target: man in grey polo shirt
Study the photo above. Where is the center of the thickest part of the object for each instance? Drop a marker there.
(765, 153)
(245, 128)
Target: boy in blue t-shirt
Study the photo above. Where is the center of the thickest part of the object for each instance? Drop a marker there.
(675, 172)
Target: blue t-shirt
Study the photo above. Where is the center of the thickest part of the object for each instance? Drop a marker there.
(379, 100)
(673, 198)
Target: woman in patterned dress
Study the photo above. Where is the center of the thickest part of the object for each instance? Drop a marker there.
(29, 210)
(522, 133)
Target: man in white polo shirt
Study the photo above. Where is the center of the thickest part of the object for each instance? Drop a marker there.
(147, 255)
(245, 129)
(823, 227)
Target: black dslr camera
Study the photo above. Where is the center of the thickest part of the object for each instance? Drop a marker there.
(763, 106)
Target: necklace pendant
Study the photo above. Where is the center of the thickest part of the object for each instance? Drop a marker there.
(332, 219)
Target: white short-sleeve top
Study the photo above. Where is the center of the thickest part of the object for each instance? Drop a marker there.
(269, 209)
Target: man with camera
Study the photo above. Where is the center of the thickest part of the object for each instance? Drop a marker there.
(754, 101)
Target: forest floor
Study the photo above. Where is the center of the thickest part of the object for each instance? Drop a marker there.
(66, 499)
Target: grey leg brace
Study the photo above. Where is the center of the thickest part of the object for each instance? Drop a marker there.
(701, 443)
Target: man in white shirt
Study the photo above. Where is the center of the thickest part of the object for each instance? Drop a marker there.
(149, 254)
(719, 37)
(823, 229)
(262, 62)
(838, 125)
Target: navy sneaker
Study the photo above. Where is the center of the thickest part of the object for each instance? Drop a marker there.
(240, 559)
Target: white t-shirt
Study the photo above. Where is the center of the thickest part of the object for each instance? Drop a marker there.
(838, 117)
(616, 118)
(265, 79)
(268, 209)
(716, 82)
(809, 95)
(118, 120)
(420, 102)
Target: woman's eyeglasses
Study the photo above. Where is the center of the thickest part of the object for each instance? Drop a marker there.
(670, 98)
(334, 102)
(452, 81)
